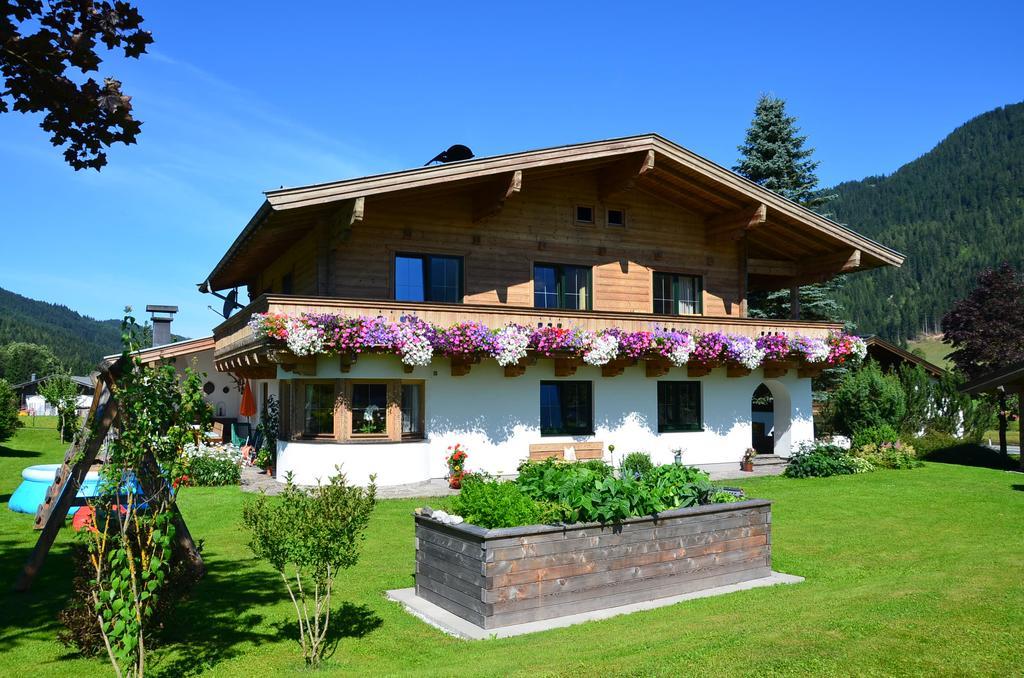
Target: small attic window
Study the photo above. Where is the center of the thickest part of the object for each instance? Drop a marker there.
(616, 218)
(584, 214)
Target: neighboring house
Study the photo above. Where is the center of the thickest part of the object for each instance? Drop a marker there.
(30, 401)
(890, 357)
(219, 388)
(634, 233)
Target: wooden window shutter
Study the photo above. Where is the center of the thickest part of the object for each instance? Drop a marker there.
(298, 409)
(284, 402)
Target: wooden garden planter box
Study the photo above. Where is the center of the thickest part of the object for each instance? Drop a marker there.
(500, 577)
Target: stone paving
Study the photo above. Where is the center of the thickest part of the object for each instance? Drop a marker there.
(254, 480)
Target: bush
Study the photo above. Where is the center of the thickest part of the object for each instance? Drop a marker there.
(635, 464)
(494, 503)
(819, 460)
(889, 455)
(213, 466)
(867, 398)
(9, 422)
(874, 435)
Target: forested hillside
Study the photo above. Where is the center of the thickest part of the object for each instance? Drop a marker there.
(954, 211)
(76, 340)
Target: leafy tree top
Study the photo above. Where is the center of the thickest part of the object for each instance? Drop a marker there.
(44, 45)
(774, 156)
(986, 328)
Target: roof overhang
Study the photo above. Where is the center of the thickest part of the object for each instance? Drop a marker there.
(1009, 380)
(902, 355)
(176, 350)
(788, 244)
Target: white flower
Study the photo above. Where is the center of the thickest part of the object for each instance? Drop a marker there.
(813, 350)
(860, 348)
(744, 350)
(603, 349)
(415, 346)
(303, 340)
(513, 340)
(680, 354)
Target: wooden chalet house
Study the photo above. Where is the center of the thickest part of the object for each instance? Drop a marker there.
(633, 234)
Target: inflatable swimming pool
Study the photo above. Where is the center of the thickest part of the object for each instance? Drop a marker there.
(37, 479)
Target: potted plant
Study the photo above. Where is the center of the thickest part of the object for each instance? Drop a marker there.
(456, 465)
(747, 464)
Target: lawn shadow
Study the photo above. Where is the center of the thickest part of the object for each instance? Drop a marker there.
(970, 454)
(1018, 487)
(5, 498)
(11, 453)
(31, 616)
(347, 621)
(219, 620)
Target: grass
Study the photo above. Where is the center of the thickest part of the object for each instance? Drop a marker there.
(908, 573)
(934, 350)
(1012, 434)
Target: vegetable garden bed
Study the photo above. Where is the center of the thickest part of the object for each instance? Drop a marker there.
(505, 576)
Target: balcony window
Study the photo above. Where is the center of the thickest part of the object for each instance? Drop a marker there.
(428, 277)
(679, 406)
(562, 286)
(566, 408)
(318, 410)
(369, 408)
(412, 410)
(677, 294)
(584, 214)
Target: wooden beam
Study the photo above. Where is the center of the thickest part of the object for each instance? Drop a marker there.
(490, 199)
(734, 225)
(773, 267)
(794, 302)
(843, 261)
(622, 175)
(347, 216)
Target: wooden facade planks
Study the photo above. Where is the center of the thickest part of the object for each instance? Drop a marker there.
(496, 578)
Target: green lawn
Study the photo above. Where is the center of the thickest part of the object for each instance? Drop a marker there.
(1012, 434)
(934, 350)
(908, 572)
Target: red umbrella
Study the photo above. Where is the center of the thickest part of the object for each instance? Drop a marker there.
(248, 406)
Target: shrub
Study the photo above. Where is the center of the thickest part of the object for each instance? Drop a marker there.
(818, 460)
(866, 398)
(874, 435)
(213, 466)
(308, 537)
(493, 503)
(9, 422)
(635, 464)
(889, 455)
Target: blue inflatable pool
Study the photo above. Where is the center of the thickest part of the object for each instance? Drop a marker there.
(37, 479)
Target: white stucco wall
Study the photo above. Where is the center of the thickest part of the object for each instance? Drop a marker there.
(496, 419)
(224, 404)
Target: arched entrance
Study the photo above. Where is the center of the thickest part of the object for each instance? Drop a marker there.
(770, 409)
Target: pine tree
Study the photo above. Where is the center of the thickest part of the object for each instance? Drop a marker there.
(774, 156)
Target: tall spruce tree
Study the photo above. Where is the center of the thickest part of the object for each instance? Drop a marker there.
(774, 156)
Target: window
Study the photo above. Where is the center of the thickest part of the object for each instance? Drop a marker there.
(369, 409)
(616, 218)
(428, 277)
(561, 286)
(318, 414)
(566, 408)
(679, 406)
(677, 294)
(412, 410)
(584, 214)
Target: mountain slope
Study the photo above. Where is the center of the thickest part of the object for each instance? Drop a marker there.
(77, 340)
(954, 211)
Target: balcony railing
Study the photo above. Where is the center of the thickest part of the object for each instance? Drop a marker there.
(236, 346)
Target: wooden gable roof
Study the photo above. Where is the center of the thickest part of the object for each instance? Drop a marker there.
(890, 355)
(785, 242)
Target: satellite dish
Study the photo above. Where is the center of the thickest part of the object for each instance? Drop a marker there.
(453, 154)
(230, 303)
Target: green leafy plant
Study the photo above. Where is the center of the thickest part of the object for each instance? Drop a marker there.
(132, 540)
(874, 435)
(822, 460)
(61, 392)
(635, 464)
(491, 503)
(896, 455)
(308, 536)
(269, 427)
(213, 466)
(867, 398)
(9, 422)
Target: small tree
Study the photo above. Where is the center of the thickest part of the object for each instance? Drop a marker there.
(867, 398)
(133, 540)
(308, 536)
(61, 392)
(985, 329)
(919, 394)
(9, 422)
(270, 422)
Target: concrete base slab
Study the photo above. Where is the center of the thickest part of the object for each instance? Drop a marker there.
(460, 628)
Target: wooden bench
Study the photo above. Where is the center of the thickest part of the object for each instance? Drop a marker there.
(584, 451)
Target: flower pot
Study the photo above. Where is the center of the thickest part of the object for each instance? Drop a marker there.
(747, 466)
(455, 482)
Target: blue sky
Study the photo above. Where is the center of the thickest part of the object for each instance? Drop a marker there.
(240, 98)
